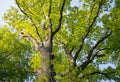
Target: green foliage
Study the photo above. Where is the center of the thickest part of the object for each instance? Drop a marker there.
(14, 56)
(86, 26)
(36, 59)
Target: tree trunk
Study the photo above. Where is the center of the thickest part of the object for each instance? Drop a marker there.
(44, 72)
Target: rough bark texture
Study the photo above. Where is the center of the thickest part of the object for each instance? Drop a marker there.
(44, 71)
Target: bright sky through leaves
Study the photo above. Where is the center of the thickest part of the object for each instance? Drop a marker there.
(4, 5)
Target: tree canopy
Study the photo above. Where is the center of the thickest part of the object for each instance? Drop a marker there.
(15, 54)
(64, 43)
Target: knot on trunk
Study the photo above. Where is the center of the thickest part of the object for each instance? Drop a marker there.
(52, 56)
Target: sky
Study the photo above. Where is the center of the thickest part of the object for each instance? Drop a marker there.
(4, 6)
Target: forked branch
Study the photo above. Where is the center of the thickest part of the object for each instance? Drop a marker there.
(67, 51)
(33, 23)
(95, 46)
(60, 18)
(90, 53)
(37, 32)
(32, 40)
(87, 33)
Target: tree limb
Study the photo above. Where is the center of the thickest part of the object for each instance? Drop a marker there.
(86, 34)
(60, 18)
(50, 21)
(21, 9)
(37, 47)
(30, 20)
(49, 37)
(37, 32)
(96, 54)
(68, 52)
(89, 59)
(94, 47)
(102, 50)
(98, 72)
(102, 73)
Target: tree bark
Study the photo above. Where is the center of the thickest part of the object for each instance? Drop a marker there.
(44, 71)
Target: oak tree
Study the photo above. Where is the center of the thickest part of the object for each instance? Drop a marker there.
(71, 42)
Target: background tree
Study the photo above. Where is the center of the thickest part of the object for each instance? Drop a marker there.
(80, 38)
(15, 54)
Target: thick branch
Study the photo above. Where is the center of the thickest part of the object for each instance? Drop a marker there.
(60, 18)
(96, 54)
(89, 59)
(32, 40)
(30, 20)
(37, 32)
(102, 50)
(86, 34)
(21, 9)
(68, 52)
(49, 38)
(98, 72)
(50, 21)
(94, 47)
